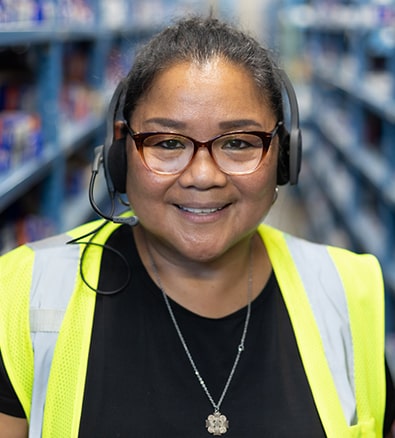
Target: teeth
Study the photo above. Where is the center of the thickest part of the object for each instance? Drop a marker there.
(200, 210)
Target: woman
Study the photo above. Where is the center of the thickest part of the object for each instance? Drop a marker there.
(197, 320)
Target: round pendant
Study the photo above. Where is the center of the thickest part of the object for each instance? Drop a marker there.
(217, 424)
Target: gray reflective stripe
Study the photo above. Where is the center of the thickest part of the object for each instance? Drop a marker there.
(45, 320)
(54, 272)
(327, 298)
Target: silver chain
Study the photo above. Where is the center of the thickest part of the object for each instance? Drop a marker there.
(240, 347)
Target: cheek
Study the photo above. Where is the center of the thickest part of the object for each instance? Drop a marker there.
(144, 189)
(137, 178)
(264, 180)
(257, 190)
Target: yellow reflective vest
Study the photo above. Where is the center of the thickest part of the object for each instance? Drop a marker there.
(335, 300)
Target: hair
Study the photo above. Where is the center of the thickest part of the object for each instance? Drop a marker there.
(199, 40)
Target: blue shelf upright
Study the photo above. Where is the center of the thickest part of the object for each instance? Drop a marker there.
(49, 85)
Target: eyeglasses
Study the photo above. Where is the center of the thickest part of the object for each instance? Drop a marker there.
(235, 153)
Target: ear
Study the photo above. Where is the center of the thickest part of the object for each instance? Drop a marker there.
(119, 130)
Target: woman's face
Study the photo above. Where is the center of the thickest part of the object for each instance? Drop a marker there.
(201, 212)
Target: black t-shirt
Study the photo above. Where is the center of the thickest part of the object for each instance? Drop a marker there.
(141, 384)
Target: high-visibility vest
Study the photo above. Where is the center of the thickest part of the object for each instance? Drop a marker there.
(335, 300)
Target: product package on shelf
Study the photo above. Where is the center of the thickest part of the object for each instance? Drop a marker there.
(115, 13)
(20, 139)
(78, 102)
(31, 12)
(16, 90)
(76, 11)
(26, 11)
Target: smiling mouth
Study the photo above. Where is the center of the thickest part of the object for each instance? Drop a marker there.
(200, 211)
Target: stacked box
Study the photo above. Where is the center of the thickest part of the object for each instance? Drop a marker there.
(20, 139)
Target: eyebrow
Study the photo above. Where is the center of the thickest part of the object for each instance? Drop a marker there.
(239, 123)
(166, 123)
(228, 124)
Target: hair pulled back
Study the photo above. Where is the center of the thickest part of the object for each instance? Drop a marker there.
(198, 40)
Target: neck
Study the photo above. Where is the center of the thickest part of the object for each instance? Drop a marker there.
(213, 288)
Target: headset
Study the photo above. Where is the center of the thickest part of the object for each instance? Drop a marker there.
(290, 159)
(112, 154)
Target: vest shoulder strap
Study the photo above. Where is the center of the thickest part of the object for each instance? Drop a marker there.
(362, 278)
(66, 383)
(323, 302)
(53, 278)
(36, 283)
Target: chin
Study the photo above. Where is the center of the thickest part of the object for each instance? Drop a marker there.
(209, 250)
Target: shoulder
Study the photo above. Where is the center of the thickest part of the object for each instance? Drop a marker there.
(308, 249)
(50, 255)
(53, 243)
(314, 258)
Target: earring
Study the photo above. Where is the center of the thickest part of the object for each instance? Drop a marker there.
(275, 195)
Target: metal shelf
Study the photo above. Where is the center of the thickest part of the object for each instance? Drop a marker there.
(18, 181)
(16, 34)
(47, 42)
(370, 165)
(350, 66)
(384, 106)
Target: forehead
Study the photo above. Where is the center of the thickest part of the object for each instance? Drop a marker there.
(214, 72)
(215, 88)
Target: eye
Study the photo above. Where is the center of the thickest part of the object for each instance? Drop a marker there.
(239, 143)
(170, 144)
(165, 142)
(236, 144)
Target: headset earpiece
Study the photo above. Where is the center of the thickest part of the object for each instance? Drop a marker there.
(112, 147)
(290, 155)
(283, 157)
(116, 164)
(112, 156)
(295, 155)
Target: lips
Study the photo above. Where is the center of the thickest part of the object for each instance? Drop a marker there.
(200, 210)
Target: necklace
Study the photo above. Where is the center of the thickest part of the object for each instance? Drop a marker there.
(216, 423)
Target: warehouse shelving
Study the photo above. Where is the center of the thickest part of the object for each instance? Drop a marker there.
(345, 54)
(38, 44)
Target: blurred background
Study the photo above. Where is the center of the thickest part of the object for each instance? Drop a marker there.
(61, 59)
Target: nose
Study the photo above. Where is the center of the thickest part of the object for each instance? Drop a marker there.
(202, 172)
